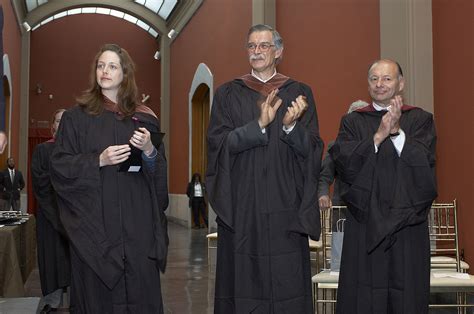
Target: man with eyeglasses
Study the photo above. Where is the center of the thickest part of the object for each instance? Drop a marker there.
(264, 155)
(385, 155)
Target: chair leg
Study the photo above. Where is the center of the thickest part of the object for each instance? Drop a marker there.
(318, 261)
(460, 301)
(316, 307)
(324, 300)
(464, 302)
(208, 256)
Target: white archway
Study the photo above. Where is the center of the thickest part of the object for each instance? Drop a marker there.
(178, 210)
(203, 75)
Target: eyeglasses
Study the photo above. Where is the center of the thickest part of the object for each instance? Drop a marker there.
(264, 47)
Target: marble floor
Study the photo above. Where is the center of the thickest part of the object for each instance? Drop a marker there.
(187, 285)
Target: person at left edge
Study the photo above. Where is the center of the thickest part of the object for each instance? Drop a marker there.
(52, 243)
(114, 219)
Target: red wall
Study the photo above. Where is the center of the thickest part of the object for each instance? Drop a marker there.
(215, 36)
(453, 73)
(328, 45)
(62, 52)
(12, 47)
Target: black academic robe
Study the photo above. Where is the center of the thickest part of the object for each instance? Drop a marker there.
(328, 176)
(385, 266)
(53, 248)
(115, 220)
(263, 189)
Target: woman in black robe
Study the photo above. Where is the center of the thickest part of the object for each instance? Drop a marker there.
(109, 170)
(53, 248)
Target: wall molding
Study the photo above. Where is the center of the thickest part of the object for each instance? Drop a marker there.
(406, 36)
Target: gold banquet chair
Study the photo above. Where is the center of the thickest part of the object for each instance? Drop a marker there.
(443, 238)
(314, 248)
(448, 271)
(325, 282)
(211, 245)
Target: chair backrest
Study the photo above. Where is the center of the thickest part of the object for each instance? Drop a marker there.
(329, 218)
(443, 229)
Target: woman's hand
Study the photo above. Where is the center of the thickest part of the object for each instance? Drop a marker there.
(113, 155)
(141, 139)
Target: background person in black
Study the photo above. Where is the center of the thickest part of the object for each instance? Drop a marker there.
(263, 165)
(196, 192)
(12, 183)
(328, 174)
(114, 219)
(52, 243)
(385, 153)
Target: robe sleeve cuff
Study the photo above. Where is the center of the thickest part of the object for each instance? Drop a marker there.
(246, 137)
(297, 139)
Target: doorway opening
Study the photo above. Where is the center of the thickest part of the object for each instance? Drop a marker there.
(199, 123)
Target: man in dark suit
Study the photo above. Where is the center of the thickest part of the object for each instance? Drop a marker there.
(12, 183)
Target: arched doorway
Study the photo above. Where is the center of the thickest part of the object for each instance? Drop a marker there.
(200, 121)
(200, 100)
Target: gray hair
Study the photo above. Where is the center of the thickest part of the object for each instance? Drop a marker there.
(356, 105)
(277, 40)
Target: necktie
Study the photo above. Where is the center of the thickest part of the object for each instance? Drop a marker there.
(12, 174)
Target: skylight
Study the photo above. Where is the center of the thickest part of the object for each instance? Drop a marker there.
(99, 10)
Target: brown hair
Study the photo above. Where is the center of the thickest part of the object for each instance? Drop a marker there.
(53, 118)
(92, 99)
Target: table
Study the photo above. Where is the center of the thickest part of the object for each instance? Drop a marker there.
(17, 257)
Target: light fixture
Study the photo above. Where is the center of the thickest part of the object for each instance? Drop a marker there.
(26, 26)
(157, 55)
(172, 34)
(145, 98)
(39, 89)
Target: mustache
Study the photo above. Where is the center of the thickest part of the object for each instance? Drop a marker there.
(256, 57)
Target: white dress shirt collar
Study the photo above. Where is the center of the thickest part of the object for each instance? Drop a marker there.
(263, 81)
(379, 108)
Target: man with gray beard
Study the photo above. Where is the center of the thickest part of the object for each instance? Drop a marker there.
(264, 156)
